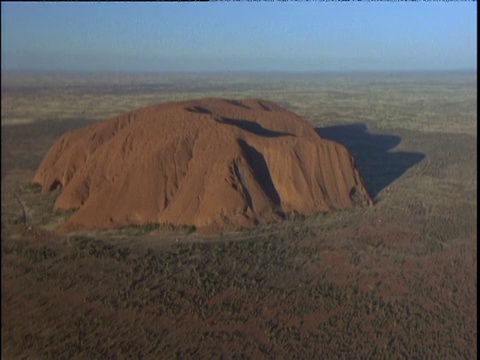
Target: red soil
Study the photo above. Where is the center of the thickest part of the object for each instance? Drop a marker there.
(216, 164)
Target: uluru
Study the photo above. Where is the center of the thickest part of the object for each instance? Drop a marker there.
(215, 164)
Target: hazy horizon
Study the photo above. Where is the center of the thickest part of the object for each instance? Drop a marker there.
(239, 37)
(238, 72)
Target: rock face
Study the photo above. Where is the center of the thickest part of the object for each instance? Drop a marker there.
(216, 164)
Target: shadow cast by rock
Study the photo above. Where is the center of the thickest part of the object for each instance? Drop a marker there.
(252, 127)
(260, 169)
(378, 166)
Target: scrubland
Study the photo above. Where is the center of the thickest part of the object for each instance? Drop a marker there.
(394, 280)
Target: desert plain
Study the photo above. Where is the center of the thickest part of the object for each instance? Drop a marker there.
(394, 280)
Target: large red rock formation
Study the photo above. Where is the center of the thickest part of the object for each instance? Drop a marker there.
(212, 163)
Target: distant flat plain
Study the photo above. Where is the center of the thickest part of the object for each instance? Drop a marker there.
(394, 280)
(416, 101)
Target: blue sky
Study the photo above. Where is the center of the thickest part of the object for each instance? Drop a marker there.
(239, 36)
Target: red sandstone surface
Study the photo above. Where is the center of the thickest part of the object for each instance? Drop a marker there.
(216, 164)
